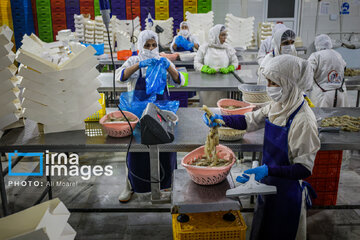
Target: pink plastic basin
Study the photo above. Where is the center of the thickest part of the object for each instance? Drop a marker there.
(244, 107)
(208, 175)
(119, 129)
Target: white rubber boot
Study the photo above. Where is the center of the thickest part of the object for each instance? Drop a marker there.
(126, 194)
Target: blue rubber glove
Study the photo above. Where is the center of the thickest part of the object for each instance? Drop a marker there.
(165, 62)
(260, 172)
(147, 62)
(188, 46)
(179, 40)
(212, 122)
(242, 179)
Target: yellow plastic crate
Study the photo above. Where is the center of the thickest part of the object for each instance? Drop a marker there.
(162, 16)
(163, 3)
(5, 14)
(188, 3)
(191, 9)
(209, 226)
(99, 114)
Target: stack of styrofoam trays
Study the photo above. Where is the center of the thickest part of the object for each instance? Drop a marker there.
(240, 30)
(10, 107)
(79, 27)
(99, 30)
(264, 31)
(60, 96)
(90, 31)
(166, 37)
(126, 25)
(200, 24)
(122, 40)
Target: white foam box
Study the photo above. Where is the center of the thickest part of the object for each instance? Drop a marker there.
(9, 96)
(7, 60)
(9, 108)
(35, 62)
(9, 119)
(9, 84)
(17, 124)
(83, 113)
(5, 35)
(5, 49)
(79, 59)
(40, 87)
(8, 72)
(42, 117)
(42, 98)
(63, 127)
(68, 233)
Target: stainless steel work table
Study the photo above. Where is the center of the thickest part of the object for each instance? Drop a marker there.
(353, 83)
(247, 74)
(107, 61)
(190, 133)
(197, 82)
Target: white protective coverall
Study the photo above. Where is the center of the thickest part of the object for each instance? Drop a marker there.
(292, 75)
(186, 34)
(143, 55)
(328, 67)
(266, 46)
(281, 35)
(215, 55)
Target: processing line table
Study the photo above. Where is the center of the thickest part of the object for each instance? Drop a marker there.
(190, 133)
(197, 82)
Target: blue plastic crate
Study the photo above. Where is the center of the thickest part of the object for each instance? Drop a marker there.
(98, 47)
(72, 4)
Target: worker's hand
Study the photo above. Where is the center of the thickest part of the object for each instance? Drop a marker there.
(211, 70)
(188, 46)
(230, 69)
(223, 70)
(165, 62)
(205, 68)
(242, 179)
(179, 40)
(211, 122)
(260, 172)
(147, 62)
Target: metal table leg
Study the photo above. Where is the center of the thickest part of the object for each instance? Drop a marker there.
(4, 200)
(358, 98)
(155, 175)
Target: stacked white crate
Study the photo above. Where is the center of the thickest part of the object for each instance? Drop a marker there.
(59, 96)
(89, 31)
(112, 39)
(200, 25)
(99, 30)
(10, 107)
(264, 31)
(123, 30)
(79, 27)
(166, 37)
(240, 31)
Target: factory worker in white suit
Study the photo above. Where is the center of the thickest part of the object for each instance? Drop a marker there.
(133, 71)
(290, 145)
(184, 40)
(216, 56)
(266, 46)
(328, 66)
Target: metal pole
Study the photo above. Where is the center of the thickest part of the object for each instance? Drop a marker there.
(3, 192)
(155, 173)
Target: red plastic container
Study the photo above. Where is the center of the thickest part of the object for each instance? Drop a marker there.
(87, 7)
(33, 6)
(132, 7)
(325, 177)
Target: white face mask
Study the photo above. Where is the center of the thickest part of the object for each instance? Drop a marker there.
(288, 49)
(275, 93)
(184, 32)
(149, 53)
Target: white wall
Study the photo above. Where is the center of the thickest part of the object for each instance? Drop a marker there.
(246, 8)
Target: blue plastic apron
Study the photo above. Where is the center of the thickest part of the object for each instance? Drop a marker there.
(139, 163)
(277, 216)
(181, 49)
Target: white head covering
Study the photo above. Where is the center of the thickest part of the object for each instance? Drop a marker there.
(322, 42)
(293, 75)
(142, 38)
(214, 33)
(277, 27)
(184, 33)
(281, 35)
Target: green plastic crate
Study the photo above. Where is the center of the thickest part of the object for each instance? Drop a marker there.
(204, 9)
(96, 8)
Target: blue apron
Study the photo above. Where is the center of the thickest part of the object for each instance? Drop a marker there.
(139, 163)
(277, 216)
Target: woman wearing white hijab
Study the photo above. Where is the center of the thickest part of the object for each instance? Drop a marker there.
(133, 71)
(184, 41)
(216, 56)
(328, 66)
(290, 145)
